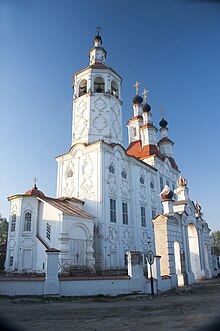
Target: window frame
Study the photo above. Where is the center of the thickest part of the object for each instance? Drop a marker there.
(143, 217)
(48, 231)
(124, 207)
(124, 174)
(13, 222)
(161, 184)
(111, 169)
(27, 221)
(113, 218)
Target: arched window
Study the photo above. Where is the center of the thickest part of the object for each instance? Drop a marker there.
(142, 180)
(13, 222)
(83, 87)
(114, 89)
(151, 185)
(27, 221)
(123, 174)
(99, 85)
(111, 169)
(69, 173)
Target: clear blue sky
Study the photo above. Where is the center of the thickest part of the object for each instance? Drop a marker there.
(172, 47)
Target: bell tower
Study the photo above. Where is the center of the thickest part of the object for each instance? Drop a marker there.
(97, 104)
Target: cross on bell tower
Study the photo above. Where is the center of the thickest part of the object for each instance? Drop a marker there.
(98, 28)
(35, 181)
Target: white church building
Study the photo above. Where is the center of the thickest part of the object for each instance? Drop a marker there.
(108, 197)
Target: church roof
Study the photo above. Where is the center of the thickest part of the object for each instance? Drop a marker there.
(66, 207)
(135, 149)
(97, 65)
(35, 191)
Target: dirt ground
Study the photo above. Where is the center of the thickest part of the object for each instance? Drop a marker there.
(188, 308)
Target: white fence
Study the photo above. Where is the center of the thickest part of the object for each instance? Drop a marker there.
(87, 286)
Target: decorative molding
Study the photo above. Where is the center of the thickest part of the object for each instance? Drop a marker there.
(99, 123)
(115, 122)
(87, 175)
(81, 120)
(27, 243)
(99, 104)
(126, 238)
(113, 236)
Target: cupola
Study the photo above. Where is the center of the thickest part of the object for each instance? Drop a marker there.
(97, 54)
(34, 191)
(165, 144)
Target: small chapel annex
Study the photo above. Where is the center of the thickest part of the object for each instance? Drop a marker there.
(108, 197)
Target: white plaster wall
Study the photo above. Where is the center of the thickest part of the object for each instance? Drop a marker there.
(13, 237)
(52, 216)
(21, 287)
(94, 287)
(117, 238)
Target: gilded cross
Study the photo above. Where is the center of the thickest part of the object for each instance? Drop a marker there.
(145, 94)
(35, 181)
(136, 86)
(162, 111)
(98, 28)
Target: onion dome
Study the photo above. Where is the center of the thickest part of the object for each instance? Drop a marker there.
(98, 38)
(167, 196)
(163, 123)
(35, 192)
(146, 107)
(137, 99)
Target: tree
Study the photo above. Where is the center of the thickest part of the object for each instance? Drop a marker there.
(215, 240)
(3, 230)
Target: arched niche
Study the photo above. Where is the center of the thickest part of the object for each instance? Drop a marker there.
(194, 250)
(99, 85)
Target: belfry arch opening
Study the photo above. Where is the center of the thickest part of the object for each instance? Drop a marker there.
(194, 251)
(114, 89)
(99, 85)
(83, 87)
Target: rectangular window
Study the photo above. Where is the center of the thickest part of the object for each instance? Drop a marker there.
(134, 131)
(11, 259)
(143, 217)
(161, 184)
(112, 210)
(27, 221)
(153, 211)
(173, 188)
(125, 212)
(48, 231)
(13, 223)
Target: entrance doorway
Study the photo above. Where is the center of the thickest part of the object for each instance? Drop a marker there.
(78, 245)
